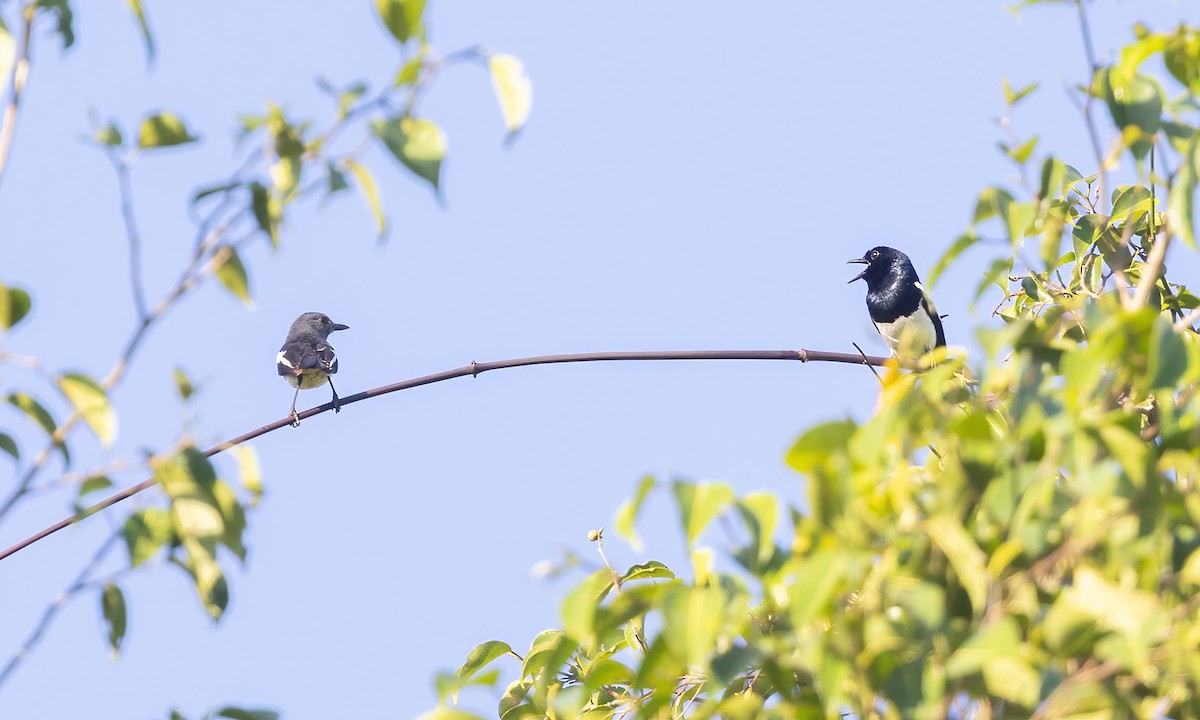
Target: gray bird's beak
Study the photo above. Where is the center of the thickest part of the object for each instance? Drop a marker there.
(857, 261)
(339, 326)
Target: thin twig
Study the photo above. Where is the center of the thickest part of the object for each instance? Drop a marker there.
(1093, 134)
(125, 185)
(17, 78)
(869, 366)
(79, 583)
(473, 370)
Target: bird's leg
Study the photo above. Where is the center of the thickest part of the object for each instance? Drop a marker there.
(295, 415)
(337, 403)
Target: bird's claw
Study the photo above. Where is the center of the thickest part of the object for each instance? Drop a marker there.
(295, 419)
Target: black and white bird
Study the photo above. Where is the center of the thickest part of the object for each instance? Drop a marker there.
(902, 311)
(306, 359)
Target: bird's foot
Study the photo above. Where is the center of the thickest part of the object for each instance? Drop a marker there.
(295, 418)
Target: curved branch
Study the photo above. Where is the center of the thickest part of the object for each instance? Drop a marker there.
(473, 369)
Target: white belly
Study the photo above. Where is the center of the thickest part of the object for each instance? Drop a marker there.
(909, 336)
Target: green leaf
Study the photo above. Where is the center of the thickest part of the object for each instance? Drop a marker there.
(817, 577)
(961, 244)
(514, 90)
(232, 273)
(402, 18)
(1051, 178)
(112, 607)
(366, 183)
(418, 144)
(163, 130)
(628, 512)
(995, 652)
(1130, 200)
(1167, 361)
(110, 135)
(992, 201)
(813, 448)
(1181, 203)
(34, 410)
(146, 531)
(188, 479)
(237, 713)
(266, 211)
(91, 402)
(139, 13)
(65, 25)
(698, 504)
(1012, 97)
(92, 483)
(1134, 101)
(336, 180)
(220, 189)
(410, 72)
(1182, 57)
(651, 570)
(232, 517)
(8, 445)
(247, 460)
(692, 621)
(1021, 153)
(996, 274)
(183, 384)
(579, 607)
(760, 512)
(15, 304)
(968, 561)
(481, 656)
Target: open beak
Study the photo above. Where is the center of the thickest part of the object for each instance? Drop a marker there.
(339, 326)
(857, 261)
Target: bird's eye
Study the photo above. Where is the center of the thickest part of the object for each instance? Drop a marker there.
(874, 254)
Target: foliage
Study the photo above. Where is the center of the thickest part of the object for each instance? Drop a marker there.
(198, 523)
(1013, 537)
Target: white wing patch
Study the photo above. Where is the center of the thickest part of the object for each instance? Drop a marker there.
(280, 359)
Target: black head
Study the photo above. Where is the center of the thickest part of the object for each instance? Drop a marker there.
(881, 262)
(318, 323)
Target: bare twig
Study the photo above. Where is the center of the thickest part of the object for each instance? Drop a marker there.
(473, 370)
(17, 78)
(1088, 119)
(79, 583)
(121, 167)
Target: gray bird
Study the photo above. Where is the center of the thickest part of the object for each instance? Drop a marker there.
(306, 359)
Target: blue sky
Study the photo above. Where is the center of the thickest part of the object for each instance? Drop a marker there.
(691, 177)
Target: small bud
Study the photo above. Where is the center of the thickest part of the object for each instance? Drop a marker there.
(593, 535)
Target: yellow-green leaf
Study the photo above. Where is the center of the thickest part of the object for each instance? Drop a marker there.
(232, 273)
(183, 384)
(15, 304)
(366, 183)
(247, 461)
(627, 513)
(418, 144)
(698, 504)
(91, 402)
(692, 621)
(402, 18)
(965, 557)
(1181, 203)
(163, 130)
(139, 13)
(514, 90)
